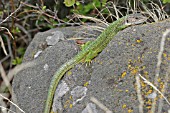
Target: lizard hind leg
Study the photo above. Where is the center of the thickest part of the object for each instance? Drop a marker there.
(90, 56)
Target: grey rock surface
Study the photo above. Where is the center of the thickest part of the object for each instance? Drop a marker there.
(110, 78)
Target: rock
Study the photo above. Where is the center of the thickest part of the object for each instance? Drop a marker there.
(56, 37)
(110, 78)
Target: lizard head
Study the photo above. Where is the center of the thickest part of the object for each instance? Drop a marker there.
(134, 19)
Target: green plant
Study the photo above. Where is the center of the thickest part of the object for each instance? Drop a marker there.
(84, 9)
(17, 61)
(70, 3)
(166, 1)
(20, 52)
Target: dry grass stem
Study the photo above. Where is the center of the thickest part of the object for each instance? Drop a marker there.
(97, 28)
(5, 78)
(156, 10)
(7, 31)
(11, 103)
(24, 30)
(157, 71)
(29, 5)
(3, 104)
(154, 87)
(141, 102)
(11, 14)
(116, 11)
(160, 105)
(91, 18)
(101, 15)
(103, 107)
(5, 58)
(3, 46)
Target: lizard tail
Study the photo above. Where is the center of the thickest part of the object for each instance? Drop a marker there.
(57, 77)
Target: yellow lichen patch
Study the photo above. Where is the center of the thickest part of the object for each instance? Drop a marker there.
(160, 96)
(71, 98)
(130, 110)
(139, 40)
(139, 59)
(162, 85)
(129, 66)
(71, 105)
(164, 54)
(143, 67)
(86, 84)
(66, 103)
(127, 90)
(149, 102)
(159, 80)
(169, 58)
(130, 60)
(124, 106)
(69, 73)
(120, 90)
(143, 84)
(134, 71)
(150, 91)
(101, 62)
(148, 107)
(143, 56)
(123, 74)
(133, 45)
(145, 73)
(111, 61)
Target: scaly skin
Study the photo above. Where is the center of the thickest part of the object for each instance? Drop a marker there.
(87, 54)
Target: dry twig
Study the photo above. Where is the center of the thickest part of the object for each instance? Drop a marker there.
(3, 46)
(157, 71)
(11, 103)
(141, 102)
(5, 78)
(103, 107)
(11, 14)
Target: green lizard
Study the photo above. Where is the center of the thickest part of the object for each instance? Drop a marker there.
(90, 51)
